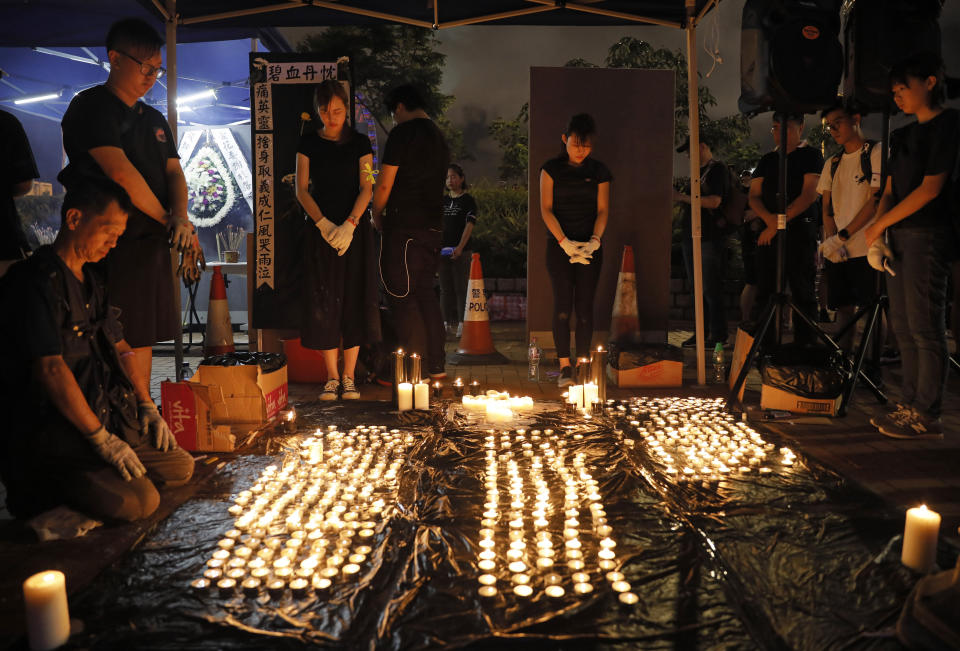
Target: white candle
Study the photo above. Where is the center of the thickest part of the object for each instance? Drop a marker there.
(45, 598)
(404, 396)
(576, 395)
(591, 394)
(920, 538)
(421, 396)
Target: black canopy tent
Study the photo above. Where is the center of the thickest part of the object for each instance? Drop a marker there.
(76, 22)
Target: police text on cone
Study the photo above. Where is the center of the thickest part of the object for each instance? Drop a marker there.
(476, 338)
(218, 336)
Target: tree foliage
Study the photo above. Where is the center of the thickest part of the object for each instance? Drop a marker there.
(512, 138)
(386, 56)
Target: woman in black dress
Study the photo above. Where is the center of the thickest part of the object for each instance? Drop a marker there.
(574, 203)
(334, 189)
(459, 217)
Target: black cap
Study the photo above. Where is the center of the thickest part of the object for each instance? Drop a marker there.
(704, 138)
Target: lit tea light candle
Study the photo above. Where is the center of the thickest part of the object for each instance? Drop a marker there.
(522, 590)
(582, 588)
(227, 587)
(488, 591)
(628, 598)
(487, 579)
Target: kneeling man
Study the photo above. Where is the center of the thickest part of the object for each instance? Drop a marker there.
(80, 428)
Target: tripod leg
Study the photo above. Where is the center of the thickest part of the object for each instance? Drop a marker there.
(734, 397)
(815, 327)
(858, 363)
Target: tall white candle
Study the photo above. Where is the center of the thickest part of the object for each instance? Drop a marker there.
(421, 395)
(45, 598)
(920, 538)
(404, 396)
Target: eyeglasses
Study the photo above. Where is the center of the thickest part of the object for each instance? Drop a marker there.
(146, 69)
(836, 124)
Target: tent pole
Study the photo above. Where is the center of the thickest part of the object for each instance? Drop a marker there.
(172, 119)
(694, 117)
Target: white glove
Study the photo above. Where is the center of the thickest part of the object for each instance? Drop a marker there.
(342, 236)
(180, 231)
(580, 259)
(153, 425)
(591, 245)
(327, 229)
(117, 453)
(833, 249)
(571, 247)
(880, 256)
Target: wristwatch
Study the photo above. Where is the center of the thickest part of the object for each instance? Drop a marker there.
(843, 235)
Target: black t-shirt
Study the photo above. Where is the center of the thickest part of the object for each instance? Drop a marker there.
(800, 162)
(334, 171)
(98, 118)
(457, 211)
(714, 180)
(16, 166)
(418, 148)
(575, 191)
(918, 150)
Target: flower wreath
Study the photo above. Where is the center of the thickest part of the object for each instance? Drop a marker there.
(210, 191)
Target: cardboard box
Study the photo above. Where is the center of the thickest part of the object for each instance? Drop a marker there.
(190, 410)
(218, 403)
(774, 398)
(252, 397)
(740, 350)
(665, 373)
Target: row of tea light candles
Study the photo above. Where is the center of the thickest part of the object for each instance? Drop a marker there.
(697, 438)
(540, 451)
(302, 526)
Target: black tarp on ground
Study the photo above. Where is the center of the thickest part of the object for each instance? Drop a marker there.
(786, 560)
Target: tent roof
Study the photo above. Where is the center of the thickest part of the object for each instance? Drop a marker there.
(81, 22)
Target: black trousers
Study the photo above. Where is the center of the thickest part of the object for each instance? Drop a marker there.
(574, 289)
(96, 488)
(333, 293)
(800, 271)
(408, 268)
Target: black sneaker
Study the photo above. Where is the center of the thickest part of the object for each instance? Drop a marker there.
(566, 377)
(906, 423)
(330, 390)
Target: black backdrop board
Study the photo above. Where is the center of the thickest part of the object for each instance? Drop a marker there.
(281, 92)
(633, 110)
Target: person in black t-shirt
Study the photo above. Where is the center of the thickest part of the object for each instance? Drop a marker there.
(333, 160)
(803, 172)
(918, 217)
(459, 217)
(17, 171)
(408, 207)
(108, 131)
(80, 426)
(714, 189)
(574, 204)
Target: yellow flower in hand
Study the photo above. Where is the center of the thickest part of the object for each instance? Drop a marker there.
(305, 116)
(370, 172)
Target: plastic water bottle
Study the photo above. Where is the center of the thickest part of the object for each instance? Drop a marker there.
(719, 368)
(533, 360)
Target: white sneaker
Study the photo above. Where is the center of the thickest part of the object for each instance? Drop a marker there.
(330, 389)
(349, 389)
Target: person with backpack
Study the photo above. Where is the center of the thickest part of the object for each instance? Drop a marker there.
(715, 190)
(917, 216)
(849, 185)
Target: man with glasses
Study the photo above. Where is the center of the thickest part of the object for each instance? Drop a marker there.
(849, 182)
(107, 130)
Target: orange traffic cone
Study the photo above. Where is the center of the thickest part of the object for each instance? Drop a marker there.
(218, 335)
(625, 322)
(476, 344)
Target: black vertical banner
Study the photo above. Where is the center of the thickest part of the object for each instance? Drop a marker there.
(281, 105)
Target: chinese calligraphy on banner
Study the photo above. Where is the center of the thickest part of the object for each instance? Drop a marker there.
(281, 88)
